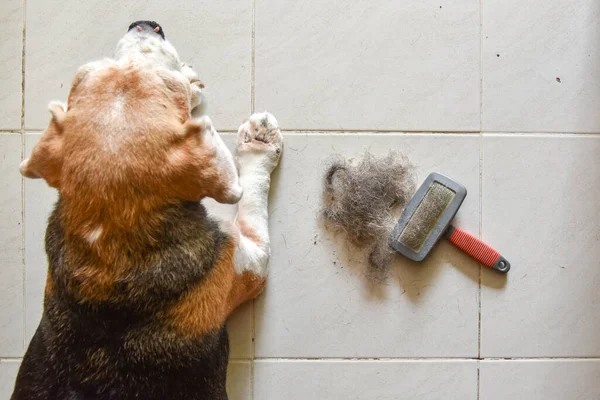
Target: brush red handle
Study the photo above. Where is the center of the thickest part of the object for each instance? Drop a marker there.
(479, 250)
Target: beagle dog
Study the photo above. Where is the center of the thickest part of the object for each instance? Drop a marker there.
(140, 279)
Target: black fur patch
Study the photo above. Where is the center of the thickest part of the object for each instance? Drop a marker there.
(151, 24)
(122, 348)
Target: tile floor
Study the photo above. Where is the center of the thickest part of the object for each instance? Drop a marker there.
(503, 95)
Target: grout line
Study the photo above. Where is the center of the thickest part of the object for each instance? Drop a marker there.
(252, 110)
(481, 41)
(240, 360)
(253, 60)
(479, 286)
(23, 269)
(15, 131)
(481, 127)
(478, 379)
(253, 348)
(575, 358)
(408, 132)
(376, 131)
(343, 131)
(432, 359)
(23, 41)
(481, 236)
(533, 134)
(367, 359)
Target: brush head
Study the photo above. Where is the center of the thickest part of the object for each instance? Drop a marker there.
(427, 216)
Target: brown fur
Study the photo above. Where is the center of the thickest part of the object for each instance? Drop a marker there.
(245, 287)
(49, 288)
(98, 195)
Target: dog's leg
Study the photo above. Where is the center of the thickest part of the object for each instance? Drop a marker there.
(259, 148)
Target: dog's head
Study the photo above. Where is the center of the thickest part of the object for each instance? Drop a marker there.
(126, 139)
(145, 42)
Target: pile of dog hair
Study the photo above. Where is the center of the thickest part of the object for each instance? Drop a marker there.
(362, 201)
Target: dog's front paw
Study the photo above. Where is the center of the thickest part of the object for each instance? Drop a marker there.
(260, 141)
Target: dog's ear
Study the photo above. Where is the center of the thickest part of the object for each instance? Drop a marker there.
(47, 156)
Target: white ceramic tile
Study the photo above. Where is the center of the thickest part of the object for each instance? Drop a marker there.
(11, 49)
(39, 201)
(318, 303)
(358, 380)
(239, 381)
(410, 65)
(540, 380)
(8, 374)
(540, 65)
(540, 208)
(214, 37)
(11, 270)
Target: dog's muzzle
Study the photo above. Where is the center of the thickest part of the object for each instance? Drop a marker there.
(149, 26)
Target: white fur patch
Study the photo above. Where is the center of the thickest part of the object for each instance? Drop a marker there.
(258, 119)
(116, 108)
(146, 48)
(93, 235)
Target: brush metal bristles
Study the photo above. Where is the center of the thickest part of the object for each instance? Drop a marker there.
(426, 216)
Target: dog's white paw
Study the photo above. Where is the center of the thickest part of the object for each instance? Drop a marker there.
(260, 142)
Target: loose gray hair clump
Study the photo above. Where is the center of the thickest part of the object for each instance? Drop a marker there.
(362, 200)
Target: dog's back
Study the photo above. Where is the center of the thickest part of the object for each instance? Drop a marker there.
(127, 348)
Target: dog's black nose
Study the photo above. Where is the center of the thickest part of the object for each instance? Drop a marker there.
(147, 25)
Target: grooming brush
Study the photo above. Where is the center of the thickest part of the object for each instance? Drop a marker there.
(427, 218)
